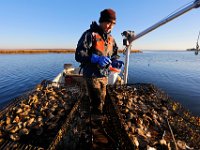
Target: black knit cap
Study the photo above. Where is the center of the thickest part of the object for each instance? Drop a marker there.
(107, 15)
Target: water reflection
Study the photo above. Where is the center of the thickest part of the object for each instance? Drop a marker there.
(177, 73)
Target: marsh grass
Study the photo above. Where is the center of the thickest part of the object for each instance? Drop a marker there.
(38, 51)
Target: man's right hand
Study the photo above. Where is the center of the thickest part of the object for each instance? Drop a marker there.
(101, 60)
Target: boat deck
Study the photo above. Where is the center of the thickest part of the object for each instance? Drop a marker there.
(138, 116)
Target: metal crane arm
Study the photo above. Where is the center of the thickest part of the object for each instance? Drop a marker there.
(130, 37)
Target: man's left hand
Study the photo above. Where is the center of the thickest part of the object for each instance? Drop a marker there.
(117, 64)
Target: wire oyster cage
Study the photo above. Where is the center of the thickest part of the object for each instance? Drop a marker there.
(45, 123)
(116, 122)
(144, 116)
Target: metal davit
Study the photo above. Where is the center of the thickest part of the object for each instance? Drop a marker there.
(129, 36)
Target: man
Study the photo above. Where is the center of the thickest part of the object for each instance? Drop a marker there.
(96, 50)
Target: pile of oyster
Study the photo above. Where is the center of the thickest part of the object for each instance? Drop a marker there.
(38, 113)
(152, 120)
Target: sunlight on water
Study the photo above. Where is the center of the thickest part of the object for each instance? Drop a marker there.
(177, 73)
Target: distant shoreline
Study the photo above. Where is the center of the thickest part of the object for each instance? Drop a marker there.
(191, 49)
(41, 51)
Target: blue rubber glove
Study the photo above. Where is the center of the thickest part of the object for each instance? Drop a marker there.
(101, 60)
(95, 58)
(117, 64)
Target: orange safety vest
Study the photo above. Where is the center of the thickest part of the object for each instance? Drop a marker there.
(104, 47)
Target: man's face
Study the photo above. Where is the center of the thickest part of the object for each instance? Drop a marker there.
(107, 26)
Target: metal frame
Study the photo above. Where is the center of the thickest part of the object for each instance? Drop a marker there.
(130, 37)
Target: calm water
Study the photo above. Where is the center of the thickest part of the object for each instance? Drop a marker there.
(177, 73)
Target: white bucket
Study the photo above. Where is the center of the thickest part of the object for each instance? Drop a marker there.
(112, 78)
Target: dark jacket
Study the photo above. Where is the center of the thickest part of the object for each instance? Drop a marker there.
(85, 50)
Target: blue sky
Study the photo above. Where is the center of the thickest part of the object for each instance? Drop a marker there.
(60, 23)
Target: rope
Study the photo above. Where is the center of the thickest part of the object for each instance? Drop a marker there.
(198, 41)
(197, 45)
(172, 135)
